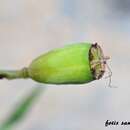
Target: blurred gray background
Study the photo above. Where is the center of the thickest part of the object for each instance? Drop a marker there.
(29, 28)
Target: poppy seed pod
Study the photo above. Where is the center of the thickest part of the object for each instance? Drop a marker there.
(72, 64)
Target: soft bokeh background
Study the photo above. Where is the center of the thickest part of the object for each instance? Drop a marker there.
(29, 28)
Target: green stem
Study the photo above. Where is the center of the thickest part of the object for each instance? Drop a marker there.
(14, 74)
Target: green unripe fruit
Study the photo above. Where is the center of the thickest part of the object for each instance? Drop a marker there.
(66, 65)
(73, 64)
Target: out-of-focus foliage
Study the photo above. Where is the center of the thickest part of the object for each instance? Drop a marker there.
(22, 109)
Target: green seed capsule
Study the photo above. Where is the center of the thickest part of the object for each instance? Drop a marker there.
(73, 64)
(66, 65)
